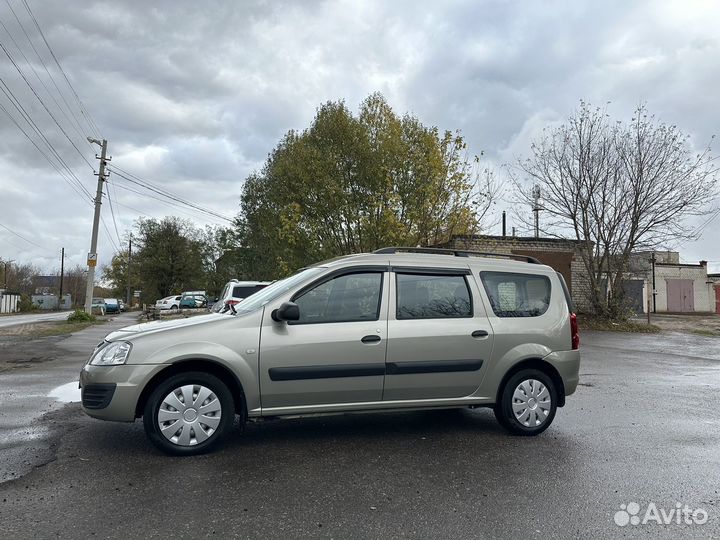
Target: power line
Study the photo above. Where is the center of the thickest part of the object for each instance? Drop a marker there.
(112, 211)
(76, 126)
(22, 237)
(73, 180)
(59, 171)
(12, 60)
(109, 236)
(164, 193)
(86, 114)
(184, 210)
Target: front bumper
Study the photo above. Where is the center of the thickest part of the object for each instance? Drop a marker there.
(112, 392)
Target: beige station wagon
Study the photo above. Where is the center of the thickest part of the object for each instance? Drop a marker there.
(399, 328)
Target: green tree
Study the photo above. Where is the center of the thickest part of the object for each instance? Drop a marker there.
(168, 258)
(351, 184)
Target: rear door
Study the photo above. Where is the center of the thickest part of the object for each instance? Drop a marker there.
(440, 339)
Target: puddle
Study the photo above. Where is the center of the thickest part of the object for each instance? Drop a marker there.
(67, 393)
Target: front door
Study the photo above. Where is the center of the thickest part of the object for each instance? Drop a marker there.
(440, 340)
(335, 353)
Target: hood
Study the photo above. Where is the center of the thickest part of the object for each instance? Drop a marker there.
(136, 330)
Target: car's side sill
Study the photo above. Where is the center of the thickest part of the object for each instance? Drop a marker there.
(372, 406)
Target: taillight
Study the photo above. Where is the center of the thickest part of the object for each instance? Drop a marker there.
(574, 332)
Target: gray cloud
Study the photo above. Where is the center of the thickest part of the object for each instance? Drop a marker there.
(193, 96)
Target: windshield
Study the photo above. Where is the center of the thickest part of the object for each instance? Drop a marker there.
(276, 289)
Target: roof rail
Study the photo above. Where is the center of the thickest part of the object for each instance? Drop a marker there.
(455, 253)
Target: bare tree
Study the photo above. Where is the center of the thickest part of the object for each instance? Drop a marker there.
(616, 187)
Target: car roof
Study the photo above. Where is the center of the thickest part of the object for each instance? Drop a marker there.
(440, 260)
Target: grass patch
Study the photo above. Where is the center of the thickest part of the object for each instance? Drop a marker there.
(610, 325)
(705, 332)
(47, 329)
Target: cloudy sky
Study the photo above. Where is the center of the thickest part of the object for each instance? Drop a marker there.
(193, 95)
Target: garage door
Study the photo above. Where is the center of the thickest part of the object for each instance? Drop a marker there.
(633, 294)
(680, 296)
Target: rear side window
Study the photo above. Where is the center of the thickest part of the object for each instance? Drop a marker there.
(424, 296)
(517, 295)
(245, 291)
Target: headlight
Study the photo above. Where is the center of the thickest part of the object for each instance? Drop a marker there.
(114, 354)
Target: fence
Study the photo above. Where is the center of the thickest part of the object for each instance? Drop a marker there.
(9, 302)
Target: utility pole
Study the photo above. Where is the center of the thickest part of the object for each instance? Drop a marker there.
(7, 263)
(128, 270)
(654, 291)
(62, 274)
(92, 256)
(536, 209)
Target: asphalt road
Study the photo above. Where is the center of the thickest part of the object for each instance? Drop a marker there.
(643, 427)
(15, 320)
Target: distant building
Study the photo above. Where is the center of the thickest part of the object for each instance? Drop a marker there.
(679, 287)
(715, 279)
(50, 301)
(46, 284)
(564, 255)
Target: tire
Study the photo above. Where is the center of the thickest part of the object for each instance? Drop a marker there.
(196, 433)
(174, 309)
(527, 403)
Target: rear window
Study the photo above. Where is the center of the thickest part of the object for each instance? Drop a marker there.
(517, 295)
(243, 291)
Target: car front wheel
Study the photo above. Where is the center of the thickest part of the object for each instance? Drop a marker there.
(527, 403)
(189, 413)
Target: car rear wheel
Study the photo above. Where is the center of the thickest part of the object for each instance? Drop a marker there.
(528, 403)
(174, 309)
(189, 413)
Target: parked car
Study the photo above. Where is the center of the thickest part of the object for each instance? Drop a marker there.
(98, 304)
(169, 302)
(112, 305)
(122, 305)
(400, 328)
(193, 300)
(235, 292)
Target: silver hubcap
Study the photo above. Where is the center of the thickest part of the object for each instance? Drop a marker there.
(189, 415)
(531, 403)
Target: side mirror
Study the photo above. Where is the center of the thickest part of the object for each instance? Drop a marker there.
(288, 311)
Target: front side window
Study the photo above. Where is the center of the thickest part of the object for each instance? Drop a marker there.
(517, 295)
(424, 296)
(346, 298)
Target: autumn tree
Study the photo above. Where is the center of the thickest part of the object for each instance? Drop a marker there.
(351, 184)
(617, 187)
(167, 259)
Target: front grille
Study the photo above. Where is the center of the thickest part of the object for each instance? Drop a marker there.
(97, 396)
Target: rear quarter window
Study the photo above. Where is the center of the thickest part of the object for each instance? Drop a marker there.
(517, 295)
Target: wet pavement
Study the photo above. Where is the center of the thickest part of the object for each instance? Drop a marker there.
(642, 428)
(15, 320)
(42, 366)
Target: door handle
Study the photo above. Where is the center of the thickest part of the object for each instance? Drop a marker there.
(371, 339)
(479, 333)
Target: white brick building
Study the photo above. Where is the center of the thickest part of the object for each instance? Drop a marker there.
(561, 254)
(679, 287)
